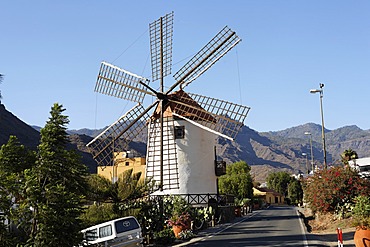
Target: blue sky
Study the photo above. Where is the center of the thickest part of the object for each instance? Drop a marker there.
(50, 51)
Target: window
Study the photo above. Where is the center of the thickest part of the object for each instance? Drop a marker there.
(127, 163)
(91, 235)
(125, 225)
(179, 132)
(105, 231)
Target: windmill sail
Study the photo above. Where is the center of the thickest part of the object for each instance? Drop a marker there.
(170, 174)
(230, 116)
(161, 32)
(224, 41)
(118, 135)
(221, 116)
(117, 82)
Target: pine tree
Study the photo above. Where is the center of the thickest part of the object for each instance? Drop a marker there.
(54, 187)
(14, 159)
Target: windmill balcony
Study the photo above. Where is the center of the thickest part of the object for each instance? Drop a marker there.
(220, 168)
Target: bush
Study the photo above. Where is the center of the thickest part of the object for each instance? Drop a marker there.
(186, 234)
(97, 213)
(334, 188)
(164, 237)
(361, 211)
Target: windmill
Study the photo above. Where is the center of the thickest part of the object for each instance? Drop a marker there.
(183, 126)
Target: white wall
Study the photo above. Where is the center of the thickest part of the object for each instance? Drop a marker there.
(195, 161)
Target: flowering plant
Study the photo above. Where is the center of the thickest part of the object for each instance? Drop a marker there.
(334, 188)
(180, 220)
(186, 234)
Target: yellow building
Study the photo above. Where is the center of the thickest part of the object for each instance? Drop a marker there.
(123, 161)
(269, 196)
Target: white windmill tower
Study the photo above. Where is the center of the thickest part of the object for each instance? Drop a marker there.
(183, 127)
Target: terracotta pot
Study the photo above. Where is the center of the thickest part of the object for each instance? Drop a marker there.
(362, 237)
(176, 230)
(238, 212)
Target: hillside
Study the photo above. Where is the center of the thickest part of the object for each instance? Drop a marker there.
(11, 125)
(30, 136)
(264, 152)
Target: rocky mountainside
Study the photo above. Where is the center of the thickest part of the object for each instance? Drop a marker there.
(282, 150)
(30, 136)
(264, 151)
(11, 125)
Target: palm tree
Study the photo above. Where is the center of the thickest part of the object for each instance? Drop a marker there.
(348, 155)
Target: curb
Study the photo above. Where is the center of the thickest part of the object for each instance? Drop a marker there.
(310, 239)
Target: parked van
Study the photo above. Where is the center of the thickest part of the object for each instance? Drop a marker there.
(120, 232)
(362, 166)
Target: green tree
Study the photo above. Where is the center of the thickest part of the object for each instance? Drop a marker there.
(279, 182)
(14, 159)
(237, 180)
(348, 155)
(295, 191)
(54, 188)
(120, 195)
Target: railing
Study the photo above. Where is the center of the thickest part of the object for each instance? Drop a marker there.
(202, 199)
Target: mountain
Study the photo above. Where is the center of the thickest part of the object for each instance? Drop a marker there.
(11, 125)
(88, 132)
(265, 152)
(30, 136)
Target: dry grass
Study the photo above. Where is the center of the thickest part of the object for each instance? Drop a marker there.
(324, 228)
(325, 222)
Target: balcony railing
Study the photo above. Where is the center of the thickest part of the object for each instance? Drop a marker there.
(204, 199)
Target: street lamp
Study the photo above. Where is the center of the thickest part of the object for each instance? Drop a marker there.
(321, 91)
(305, 155)
(308, 133)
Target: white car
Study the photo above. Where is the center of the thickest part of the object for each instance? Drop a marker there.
(120, 232)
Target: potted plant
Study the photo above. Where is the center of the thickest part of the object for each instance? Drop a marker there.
(179, 223)
(361, 218)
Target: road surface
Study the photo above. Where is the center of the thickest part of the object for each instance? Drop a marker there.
(275, 226)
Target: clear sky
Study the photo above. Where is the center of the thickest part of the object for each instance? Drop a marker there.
(50, 51)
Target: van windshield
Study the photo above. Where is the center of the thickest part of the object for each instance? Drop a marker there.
(125, 225)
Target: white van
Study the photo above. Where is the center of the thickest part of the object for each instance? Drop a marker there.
(120, 232)
(362, 166)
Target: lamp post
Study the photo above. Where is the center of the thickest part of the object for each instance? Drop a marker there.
(312, 163)
(321, 91)
(305, 155)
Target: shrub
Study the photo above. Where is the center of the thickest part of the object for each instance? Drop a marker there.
(186, 234)
(361, 211)
(164, 237)
(333, 188)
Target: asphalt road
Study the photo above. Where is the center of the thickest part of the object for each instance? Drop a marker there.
(275, 226)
